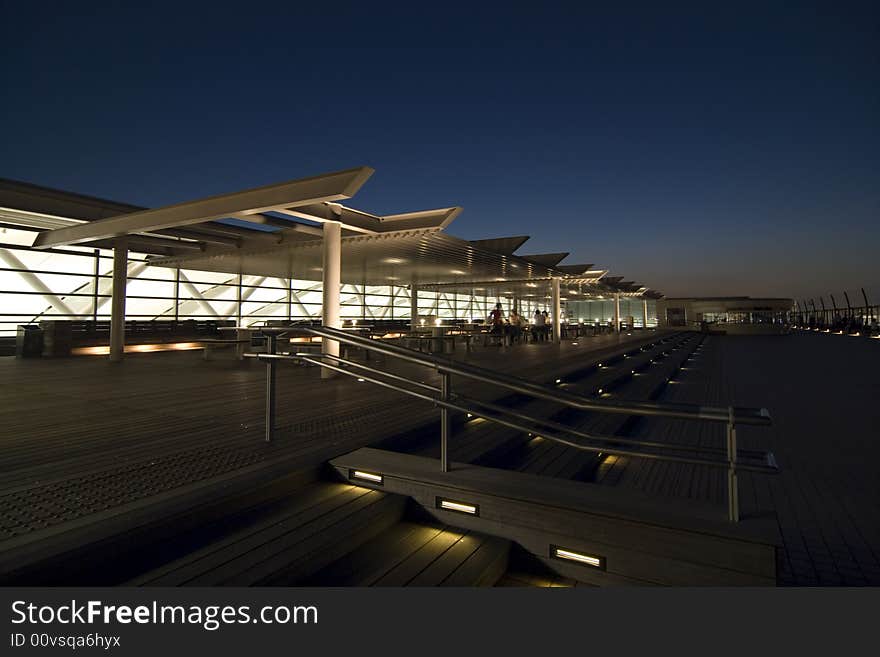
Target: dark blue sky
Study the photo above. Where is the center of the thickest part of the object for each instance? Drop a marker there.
(700, 148)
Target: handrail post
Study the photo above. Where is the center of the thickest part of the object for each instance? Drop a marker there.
(270, 387)
(732, 491)
(445, 389)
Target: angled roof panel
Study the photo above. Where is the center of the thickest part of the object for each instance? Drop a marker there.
(502, 245)
(326, 187)
(547, 259)
(575, 270)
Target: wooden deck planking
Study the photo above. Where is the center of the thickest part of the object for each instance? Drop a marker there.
(66, 419)
(827, 498)
(74, 417)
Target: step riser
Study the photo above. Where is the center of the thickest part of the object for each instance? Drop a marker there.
(639, 540)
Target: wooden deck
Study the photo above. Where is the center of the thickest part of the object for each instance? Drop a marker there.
(82, 436)
(822, 392)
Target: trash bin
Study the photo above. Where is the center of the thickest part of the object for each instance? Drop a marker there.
(28, 341)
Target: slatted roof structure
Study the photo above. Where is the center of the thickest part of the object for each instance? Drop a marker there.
(298, 229)
(276, 231)
(426, 256)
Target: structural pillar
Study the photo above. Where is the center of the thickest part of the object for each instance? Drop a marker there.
(238, 301)
(617, 312)
(644, 313)
(332, 275)
(557, 310)
(117, 308)
(414, 305)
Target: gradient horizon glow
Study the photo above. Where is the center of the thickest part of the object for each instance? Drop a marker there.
(701, 149)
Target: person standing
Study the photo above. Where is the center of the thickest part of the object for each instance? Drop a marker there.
(496, 319)
(540, 323)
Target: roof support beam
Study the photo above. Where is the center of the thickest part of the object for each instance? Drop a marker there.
(268, 220)
(199, 236)
(332, 273)
(327, 187)
(557, 310)
(617, 312)
(117, 311)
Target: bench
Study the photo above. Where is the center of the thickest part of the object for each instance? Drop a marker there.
(60, 336)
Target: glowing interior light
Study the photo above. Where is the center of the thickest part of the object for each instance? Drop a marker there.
(600, 391)
(570, 555)
(459, 507)
(470, 415)
(360, 380)
(366, 476)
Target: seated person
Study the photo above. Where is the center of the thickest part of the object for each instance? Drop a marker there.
(515, 327)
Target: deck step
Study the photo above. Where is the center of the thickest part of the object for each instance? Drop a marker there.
(419, 554)
(319, 525)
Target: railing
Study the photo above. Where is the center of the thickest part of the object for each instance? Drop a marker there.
(730, 458)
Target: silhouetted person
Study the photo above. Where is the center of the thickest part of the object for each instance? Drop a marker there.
(517, 324)
(539, 324)
(496, 319)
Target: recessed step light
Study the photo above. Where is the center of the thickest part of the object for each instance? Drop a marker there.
(578, 557)
(363, 475)
(458, 506)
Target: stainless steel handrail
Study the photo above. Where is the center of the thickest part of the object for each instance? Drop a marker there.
(447, 401)
(683, 411)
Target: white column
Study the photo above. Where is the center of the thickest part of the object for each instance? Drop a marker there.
(557, 310)
(117, 308)
(617, 312)
(644, 313)
(414, 305)
(332, 276)
(238, 301)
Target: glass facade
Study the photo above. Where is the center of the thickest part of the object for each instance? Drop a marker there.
(75, 282)
(601, 311)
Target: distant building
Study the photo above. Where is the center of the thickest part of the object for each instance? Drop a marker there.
(735, 315)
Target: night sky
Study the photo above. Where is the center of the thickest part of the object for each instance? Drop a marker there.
(701, 149)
